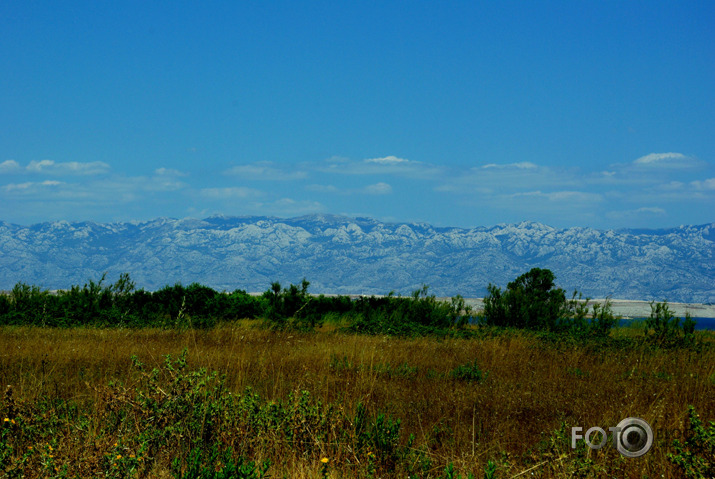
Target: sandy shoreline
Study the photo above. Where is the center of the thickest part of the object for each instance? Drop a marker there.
(634, 309)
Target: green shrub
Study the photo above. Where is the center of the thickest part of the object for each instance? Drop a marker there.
(379, 438)
(450, 473)
(577, 320)
(28, 305)
(533, 302)
(696, 456)
(530, 301)
(468, 372)
(416, 315)
(287, 308)
(663, 328)
(119, 304)
(210, 464)
(239, 305)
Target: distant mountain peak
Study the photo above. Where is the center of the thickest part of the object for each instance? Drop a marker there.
(340, 254)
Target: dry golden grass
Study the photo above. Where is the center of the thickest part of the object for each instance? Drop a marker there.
(510, 417)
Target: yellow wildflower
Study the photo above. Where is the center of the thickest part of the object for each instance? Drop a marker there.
(119, 456)
(6, 420)
(324, 460)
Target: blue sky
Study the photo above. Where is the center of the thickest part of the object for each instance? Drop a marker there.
(593, 113)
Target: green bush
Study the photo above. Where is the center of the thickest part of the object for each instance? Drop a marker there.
(419, 314)
(210, 464)
(576, 320)
(286, 308)
(468, 372)
(530, 301)
(119, 304)
(5, 305)
(696, 456)
(378, 438)
(533, 302)
(663, 328)
(450, 473)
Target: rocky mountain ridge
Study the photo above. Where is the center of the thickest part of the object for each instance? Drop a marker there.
(339, 254)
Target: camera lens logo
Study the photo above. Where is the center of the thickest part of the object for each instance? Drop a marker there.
(634, 437)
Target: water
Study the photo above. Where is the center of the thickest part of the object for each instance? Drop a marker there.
(700, 323)
(705, 323)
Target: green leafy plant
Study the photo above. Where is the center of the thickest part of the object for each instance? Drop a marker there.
(416, 315)
(450, 473)
(469, 372)
(663, 328)
(208, 463)
(530, 301)
(533, 302)
(696, 455)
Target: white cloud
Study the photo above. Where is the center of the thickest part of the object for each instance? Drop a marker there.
(639, 212)
(580, 196)
(388, 165)
(38, 166)
(673, 186)
(125, 188)
(506, 178)
(651, 209)
(265, 170)
(468, 186)
(378, 189)
(337, 160)
(658, 157)
(665, 160)
(9, 166)
(387, 160)
(93, 168)
(289, 207)
(229, 192)
(570, 196)
(18, 186)
(164, 184)
(67, 168)
(169, 172)
(322, 188)
(29, 187)
(708, 184)
(102, 191)
(524, 165)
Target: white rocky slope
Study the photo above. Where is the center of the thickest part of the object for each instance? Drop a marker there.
(360, 255)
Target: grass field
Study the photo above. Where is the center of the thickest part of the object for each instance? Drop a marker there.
(327, 403)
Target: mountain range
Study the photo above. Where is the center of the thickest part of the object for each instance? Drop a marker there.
(344, 255)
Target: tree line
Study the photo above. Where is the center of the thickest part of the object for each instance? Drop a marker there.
(531, 301)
